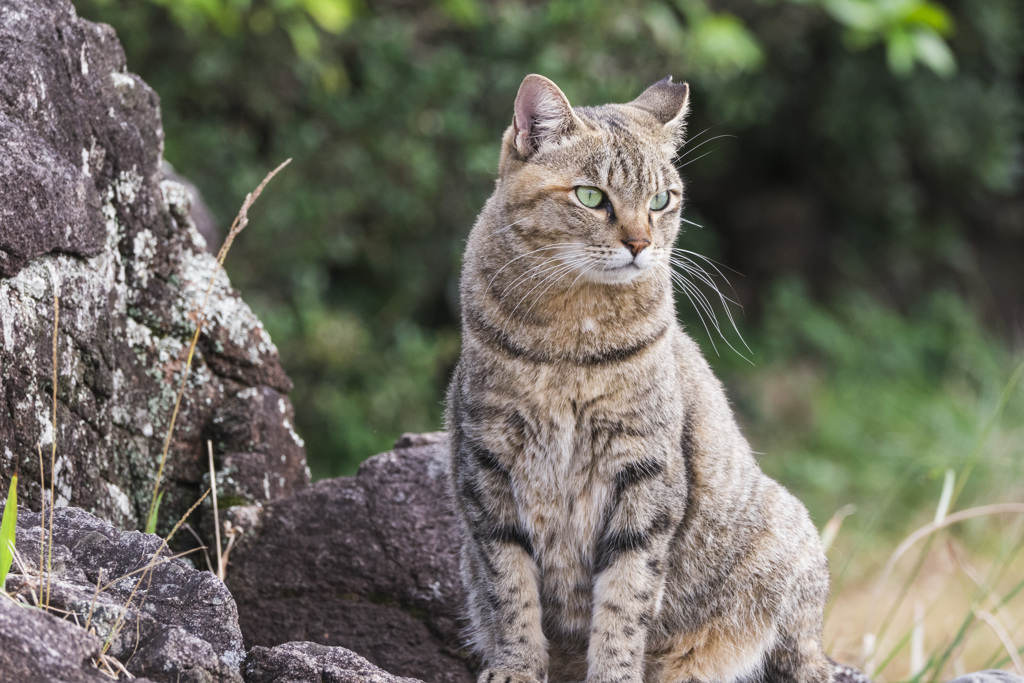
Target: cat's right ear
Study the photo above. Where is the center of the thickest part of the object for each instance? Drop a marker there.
(542, 114)
(669, 102)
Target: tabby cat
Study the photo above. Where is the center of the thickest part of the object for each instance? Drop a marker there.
(617, 527)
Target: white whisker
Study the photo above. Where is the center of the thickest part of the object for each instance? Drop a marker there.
(684, 254)
(538, 270)
(694, 138)
(693, 149)
(698, 158)
(558, 272)
(685, 289)
(714, 264)
(557, 245)
(579, 261)
(696, 271)
(688, 276)
(501, 230)
(535, 271)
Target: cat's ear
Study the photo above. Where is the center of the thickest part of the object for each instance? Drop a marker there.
(542, 113)
(668, 101)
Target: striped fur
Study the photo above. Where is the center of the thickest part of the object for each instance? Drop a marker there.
(617, 527)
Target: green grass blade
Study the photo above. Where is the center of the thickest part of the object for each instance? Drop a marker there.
(153, 512)
(7, 530)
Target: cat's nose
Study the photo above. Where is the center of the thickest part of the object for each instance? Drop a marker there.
(635, 246)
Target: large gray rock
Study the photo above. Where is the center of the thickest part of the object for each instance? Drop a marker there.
(180, 624)
(37, 646)
(313, 663)
(989, 676)
(87, 213)
(369, 563)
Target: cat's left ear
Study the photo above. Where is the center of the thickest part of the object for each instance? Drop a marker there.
(542, 114)
(668, 101)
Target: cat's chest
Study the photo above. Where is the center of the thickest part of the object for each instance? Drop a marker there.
(560, 483)
(574, 443)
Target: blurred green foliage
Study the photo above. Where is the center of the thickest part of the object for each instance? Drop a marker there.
(878, 151)
(860, 402)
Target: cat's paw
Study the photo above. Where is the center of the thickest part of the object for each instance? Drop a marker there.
(505, 676)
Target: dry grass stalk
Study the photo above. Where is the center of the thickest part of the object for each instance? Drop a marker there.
(42, 511)
(234, 533)
(53, 450)
(119, 623)
(201, 546)
(831, 529)
(1004, 636)
(970, 572)
(917, 657)
(146, 567)
(928, 529)
(95, 597)
(20, 562)
(216, 516)
(241, 220)
(112, 668)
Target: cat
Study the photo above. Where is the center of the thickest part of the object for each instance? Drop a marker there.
(616, 525)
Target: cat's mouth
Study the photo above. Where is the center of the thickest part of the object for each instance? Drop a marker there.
(619, 274)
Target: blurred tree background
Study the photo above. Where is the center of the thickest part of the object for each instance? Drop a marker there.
(857, 162)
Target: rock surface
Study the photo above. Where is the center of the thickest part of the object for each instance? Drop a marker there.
(40, 647)
(180, 623)
(989, 676)
(87, 214)
(312, 663)
(369, 563)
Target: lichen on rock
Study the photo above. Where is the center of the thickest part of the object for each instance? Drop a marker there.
(88, 214)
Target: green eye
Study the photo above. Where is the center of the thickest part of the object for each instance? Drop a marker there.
(660, 201)
(590, 196)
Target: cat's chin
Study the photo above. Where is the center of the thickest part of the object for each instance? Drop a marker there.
(618, 276)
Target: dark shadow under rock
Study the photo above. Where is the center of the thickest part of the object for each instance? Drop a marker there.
(369, 563)
(313, 663)
(181, 623)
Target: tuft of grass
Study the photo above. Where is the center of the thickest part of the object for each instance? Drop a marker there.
(8, 528)
(154, 512)
(957, 616)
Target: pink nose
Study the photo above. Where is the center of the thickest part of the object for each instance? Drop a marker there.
(636, 246)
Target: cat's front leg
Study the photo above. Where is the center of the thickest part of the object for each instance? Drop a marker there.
(629, 573)
(499, 570)
(506, 608)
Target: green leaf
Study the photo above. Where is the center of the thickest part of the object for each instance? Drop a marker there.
(151, 522)
(933, 52)
(725, 44)
(333, 16)
(7, 530)
(856, 14)
(900, 50)
(304, 38)
(464, 12)
(933, 16)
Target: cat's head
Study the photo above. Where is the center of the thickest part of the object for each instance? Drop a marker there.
(598, 180)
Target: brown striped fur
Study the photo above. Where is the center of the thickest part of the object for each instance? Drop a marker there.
(617, 526)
